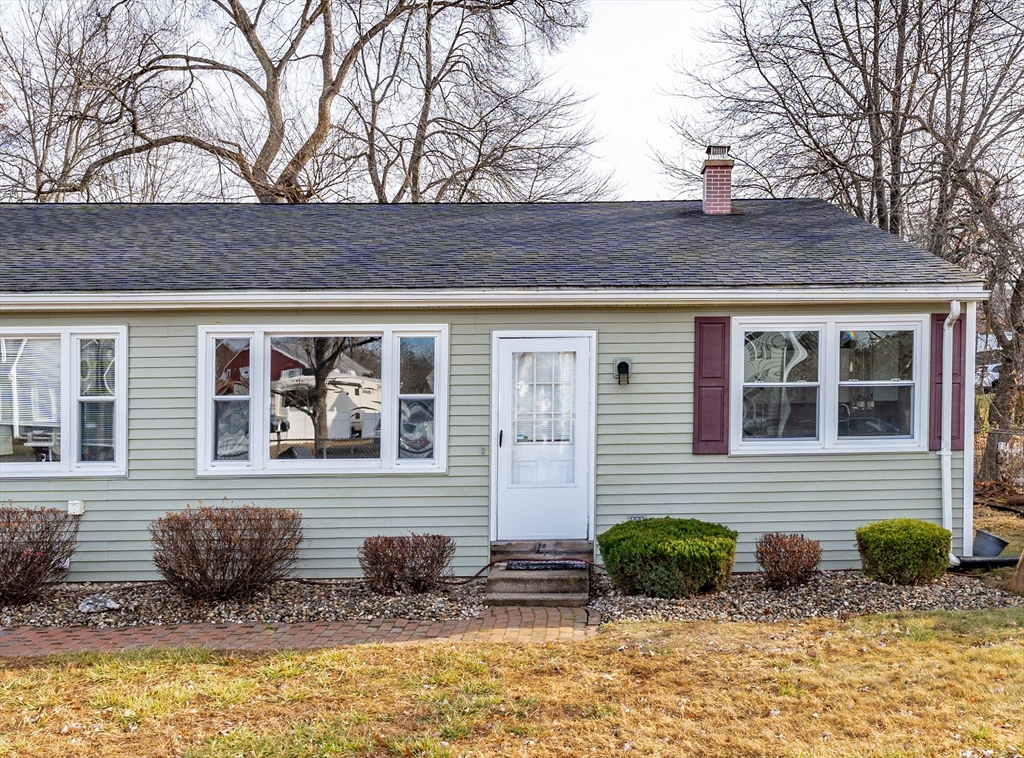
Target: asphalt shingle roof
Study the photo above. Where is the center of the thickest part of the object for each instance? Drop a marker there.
(764, 243)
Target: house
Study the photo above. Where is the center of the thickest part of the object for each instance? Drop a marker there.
(511, 375)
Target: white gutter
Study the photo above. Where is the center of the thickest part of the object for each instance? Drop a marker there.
(945, 453)
(971, 325)
(479, 298)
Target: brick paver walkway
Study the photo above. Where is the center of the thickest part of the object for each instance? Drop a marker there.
(511, 624)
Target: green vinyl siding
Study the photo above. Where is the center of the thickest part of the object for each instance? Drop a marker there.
(644, 464)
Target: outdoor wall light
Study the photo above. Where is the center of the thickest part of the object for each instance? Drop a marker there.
(623, 367)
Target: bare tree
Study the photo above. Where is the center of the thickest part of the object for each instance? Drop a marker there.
(906, 113)
(450, 107)
(256, 88)
(990, 236)
(60, 67)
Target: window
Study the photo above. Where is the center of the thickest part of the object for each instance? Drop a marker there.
(780, 384)
(827, 385)
(305, 400)
(62, 402)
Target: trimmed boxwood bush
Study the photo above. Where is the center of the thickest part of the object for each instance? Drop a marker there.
(668, 557)
(903, 550)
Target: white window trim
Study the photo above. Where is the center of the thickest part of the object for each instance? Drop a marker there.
(259, 463)
(69, 465)
(828, 441)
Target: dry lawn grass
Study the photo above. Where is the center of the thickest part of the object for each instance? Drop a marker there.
(1010, 528)
(1003, 524)
(927, 685)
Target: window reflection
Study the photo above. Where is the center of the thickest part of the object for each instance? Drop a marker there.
(325, 397)
(30, 395)
(416, 429)
(780, 393)
(780, 357)
(416, 374)
(879, 411)
(231, 430)
(876, 389)
(232, 369)
(867, 356)
(780, 412)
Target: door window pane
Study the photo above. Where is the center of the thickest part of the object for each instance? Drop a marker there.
(780, 357)
(780, 412)
(873, 356)
(543, 418)
(96, 431)
(231, 430)
(875, 410)
(30, 398)
(325, 397)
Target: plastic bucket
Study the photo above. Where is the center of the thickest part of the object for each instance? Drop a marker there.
(987, 545)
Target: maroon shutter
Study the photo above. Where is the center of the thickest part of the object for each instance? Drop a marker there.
(711, 386)
(959, 384)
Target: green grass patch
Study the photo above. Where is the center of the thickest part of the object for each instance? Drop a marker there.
(308, 740)
(927, 626)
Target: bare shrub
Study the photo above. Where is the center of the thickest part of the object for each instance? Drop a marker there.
(209, 553)
(788, 560)
(36, 545)
(416, 563)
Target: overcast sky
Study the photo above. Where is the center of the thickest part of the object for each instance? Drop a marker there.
(625, 61)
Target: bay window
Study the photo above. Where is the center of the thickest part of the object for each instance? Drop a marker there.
(827, 385)
(63, 402)
(322, 399)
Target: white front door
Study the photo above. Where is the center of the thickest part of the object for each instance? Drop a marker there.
(544, 437)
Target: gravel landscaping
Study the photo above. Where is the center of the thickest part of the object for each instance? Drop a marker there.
(830, 594)
(289, 601)
(834, 594)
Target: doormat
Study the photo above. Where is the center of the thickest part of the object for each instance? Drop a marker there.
(546, 566)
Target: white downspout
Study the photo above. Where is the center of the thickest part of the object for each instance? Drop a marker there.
(945, 453)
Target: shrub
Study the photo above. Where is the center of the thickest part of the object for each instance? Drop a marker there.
(668, 557)
(415, 563)
(225, 553)
(903, 550)
(788, 560)
(36, 545)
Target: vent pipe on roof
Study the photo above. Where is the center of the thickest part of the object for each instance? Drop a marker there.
(717, 172)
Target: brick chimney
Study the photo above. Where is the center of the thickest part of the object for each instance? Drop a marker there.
(717, 173)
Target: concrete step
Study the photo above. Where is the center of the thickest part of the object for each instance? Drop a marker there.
(503, 580)
(558, 587)
(525, 550)
(560, 599)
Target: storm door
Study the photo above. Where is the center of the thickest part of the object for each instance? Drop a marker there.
(543, 437)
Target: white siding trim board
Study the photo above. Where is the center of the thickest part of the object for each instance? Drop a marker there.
(468, 298)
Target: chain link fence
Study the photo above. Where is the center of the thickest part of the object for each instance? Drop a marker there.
(1009, 447)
